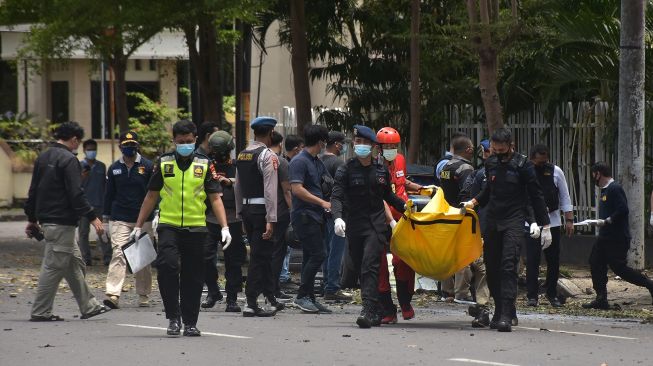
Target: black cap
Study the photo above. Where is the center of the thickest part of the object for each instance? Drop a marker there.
(128, 136)
(335, 136)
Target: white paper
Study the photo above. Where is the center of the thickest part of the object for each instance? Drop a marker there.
(589, 222)
(140, 254)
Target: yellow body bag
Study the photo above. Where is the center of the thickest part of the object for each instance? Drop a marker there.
(438, 241)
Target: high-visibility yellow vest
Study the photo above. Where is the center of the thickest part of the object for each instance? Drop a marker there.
(183, 196)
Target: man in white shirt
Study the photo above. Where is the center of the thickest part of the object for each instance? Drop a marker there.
(556, 196)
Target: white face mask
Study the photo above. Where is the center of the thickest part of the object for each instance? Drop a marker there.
(390, 154)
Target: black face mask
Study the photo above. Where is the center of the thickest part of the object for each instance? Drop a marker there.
(502, 156)
(221, 157)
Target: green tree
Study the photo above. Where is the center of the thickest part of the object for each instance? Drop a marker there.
(111, 31)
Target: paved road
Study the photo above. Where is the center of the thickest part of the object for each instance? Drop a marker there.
(440, 335)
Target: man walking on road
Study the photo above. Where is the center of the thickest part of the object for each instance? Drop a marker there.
(613, 243)
(54, 204)
(127, 181)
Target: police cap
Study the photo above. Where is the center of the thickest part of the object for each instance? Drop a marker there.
(485, 144)
(128, 137)
(364, 132)
(263, 122)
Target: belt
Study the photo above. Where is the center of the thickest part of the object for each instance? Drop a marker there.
(254, 201)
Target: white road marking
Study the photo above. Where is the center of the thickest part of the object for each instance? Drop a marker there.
(480, 362)
(203, 333)
(579, 333)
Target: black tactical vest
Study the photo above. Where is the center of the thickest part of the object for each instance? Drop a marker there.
(549, 189)
(251, 179)
(450, 181)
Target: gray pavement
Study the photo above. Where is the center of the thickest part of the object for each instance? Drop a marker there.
(440, 335)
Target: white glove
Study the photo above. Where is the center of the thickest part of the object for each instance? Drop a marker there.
(339, 227)
(469, 204)
(135, 234)
(650, 221)
(535, 231)
(393, 223)
(226, 237)
(155, 221)
(546, 237)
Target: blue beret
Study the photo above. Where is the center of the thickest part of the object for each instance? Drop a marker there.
(263, 122)
(364, 132)
(485, 144)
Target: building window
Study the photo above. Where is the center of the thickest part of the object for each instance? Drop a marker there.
(152, 65)
(137, 65)
(8, 87)
(59, 100)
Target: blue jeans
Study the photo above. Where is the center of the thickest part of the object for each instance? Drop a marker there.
(335, 246)
(285, 272)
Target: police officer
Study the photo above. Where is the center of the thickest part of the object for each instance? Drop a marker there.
(510, 180)
(182, 180)
(361, 186)
(556, 196)
(613, 243)
(220, 145)
(256, 202)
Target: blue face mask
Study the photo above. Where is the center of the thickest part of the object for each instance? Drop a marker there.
(129, 151)
(91, 154)
(362, 151)
(185, 149)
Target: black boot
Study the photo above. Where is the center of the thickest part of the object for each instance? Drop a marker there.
(482, 318)
(364, 320)
(505, 320)
(174, 327)
(600, 303)
(232, 305)
(275, 303)
(497, 314)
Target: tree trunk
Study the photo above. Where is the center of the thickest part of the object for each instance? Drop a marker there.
(631, 122)
(119, 66)
(299, 60)
(209, 79)
(487, 80)
(415, 102)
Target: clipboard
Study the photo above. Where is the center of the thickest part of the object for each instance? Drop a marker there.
(139, 253)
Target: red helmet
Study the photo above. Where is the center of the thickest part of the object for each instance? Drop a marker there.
(388, 135)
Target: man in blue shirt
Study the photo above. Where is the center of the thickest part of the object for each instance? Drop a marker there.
(307, 173)
(126, 188)
(613, 242)
(93, 183)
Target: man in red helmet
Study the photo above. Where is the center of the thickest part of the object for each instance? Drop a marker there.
(389, 140)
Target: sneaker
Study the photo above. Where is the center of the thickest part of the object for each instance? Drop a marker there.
(111, 302)
(321, 308)
(389, 319)
(337, 296)
(364, 320)
(174, 327)
(257, 311)
(306, 305)
(232, 307)
(407, 312)
(191, 331)
(143, 301)
(531, 302)
(278, 306)
(283, 297)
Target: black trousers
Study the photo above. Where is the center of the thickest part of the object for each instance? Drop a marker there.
(260, 254)
(180, 267)
(612, 252)
(273, 287)
(365, 250)
(311, 234)
(501, 254)
(234, 257)
(533, 257)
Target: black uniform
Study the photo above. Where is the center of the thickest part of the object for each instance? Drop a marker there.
(509, 185)
(236, 253)
(362, 190)
(453, 177)
(613, 243)
(180, 257)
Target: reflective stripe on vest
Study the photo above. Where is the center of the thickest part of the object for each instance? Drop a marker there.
(182, 197)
